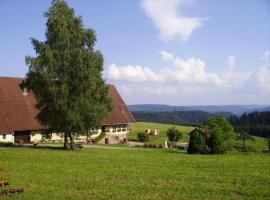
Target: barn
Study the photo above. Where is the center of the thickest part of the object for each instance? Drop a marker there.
(18, 122)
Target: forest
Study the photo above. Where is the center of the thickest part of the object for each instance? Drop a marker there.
(255, 123)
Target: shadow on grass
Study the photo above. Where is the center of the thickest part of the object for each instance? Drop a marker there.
(30, 146)
(175, 151)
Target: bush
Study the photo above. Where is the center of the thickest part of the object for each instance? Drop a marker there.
(196, 142)
(143, 137)
(174, 135)
(216, 143)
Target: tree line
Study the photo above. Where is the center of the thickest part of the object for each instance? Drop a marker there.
(255, 123)
(179, 117)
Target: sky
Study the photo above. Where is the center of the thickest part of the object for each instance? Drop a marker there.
(175, 52)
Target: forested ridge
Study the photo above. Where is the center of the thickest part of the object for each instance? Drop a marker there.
(255, 123)
(179, 117)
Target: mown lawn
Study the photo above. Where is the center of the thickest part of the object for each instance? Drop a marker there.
(134, 174)
(140, 127)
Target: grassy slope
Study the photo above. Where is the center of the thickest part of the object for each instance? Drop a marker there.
(140, 127)
(134, 174)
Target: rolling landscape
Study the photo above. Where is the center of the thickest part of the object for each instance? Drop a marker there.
(134, 100)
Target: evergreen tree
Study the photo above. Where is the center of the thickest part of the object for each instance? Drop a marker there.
(215, 142)
(66, 75)
(196, 142)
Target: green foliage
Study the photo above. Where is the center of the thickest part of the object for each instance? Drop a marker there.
(255, 123)
(143, 137)
(215, 142)
(100, 136)
(181, 117)
(197, 143)
(174, 135)
(66, 75)
(220, 122)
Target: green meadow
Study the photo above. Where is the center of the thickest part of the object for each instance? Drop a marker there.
(140, 127)
(134, 174)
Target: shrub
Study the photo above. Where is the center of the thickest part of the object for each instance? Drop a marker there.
(143, 137)
(196, 142)
(174, 135)
(216, 143)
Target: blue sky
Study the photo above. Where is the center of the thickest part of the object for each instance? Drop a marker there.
(179, 52)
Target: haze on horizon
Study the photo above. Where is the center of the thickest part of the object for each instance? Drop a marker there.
(173, 52)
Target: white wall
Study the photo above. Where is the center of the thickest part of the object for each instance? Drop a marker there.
(9, 138)
(35, 137)
(110, 130)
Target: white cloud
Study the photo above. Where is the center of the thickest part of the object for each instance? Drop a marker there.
(232, 77)
(190, 71)
(266, 56)
(166, 56)
(133, 73)
(167, 18)
(263, 75)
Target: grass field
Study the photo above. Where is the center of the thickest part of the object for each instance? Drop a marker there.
(134, 174)
(140, 127)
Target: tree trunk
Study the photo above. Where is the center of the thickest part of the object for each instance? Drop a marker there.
(244, 143)
(66, 141)
(71, 141)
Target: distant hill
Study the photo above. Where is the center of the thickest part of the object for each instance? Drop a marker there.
(181, 117)
(235, 109)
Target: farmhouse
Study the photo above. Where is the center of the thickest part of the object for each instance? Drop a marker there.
(18, 123)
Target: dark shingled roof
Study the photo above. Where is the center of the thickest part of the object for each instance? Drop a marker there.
(18, 111)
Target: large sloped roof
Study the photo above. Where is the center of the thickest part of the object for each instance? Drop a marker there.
(18, 111)
(120, 113)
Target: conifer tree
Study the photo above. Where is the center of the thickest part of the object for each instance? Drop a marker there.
(197, 142)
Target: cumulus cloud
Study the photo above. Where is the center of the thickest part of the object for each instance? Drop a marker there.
(233, 77)
(133, 73)
(266, 56)
(190, 72)
(263, 75)
(168, 19)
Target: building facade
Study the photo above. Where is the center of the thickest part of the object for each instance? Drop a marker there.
(18, 122)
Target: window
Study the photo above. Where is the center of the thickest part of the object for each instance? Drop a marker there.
(4, 137)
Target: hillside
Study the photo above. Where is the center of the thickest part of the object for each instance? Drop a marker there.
(140, 127)
(235, 109)
(180, 117)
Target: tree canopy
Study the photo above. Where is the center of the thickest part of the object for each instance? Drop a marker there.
(66, 75)
(221, 124)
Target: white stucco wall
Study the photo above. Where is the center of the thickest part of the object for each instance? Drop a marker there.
(111, 130)
(9, 138)
(35, 137)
